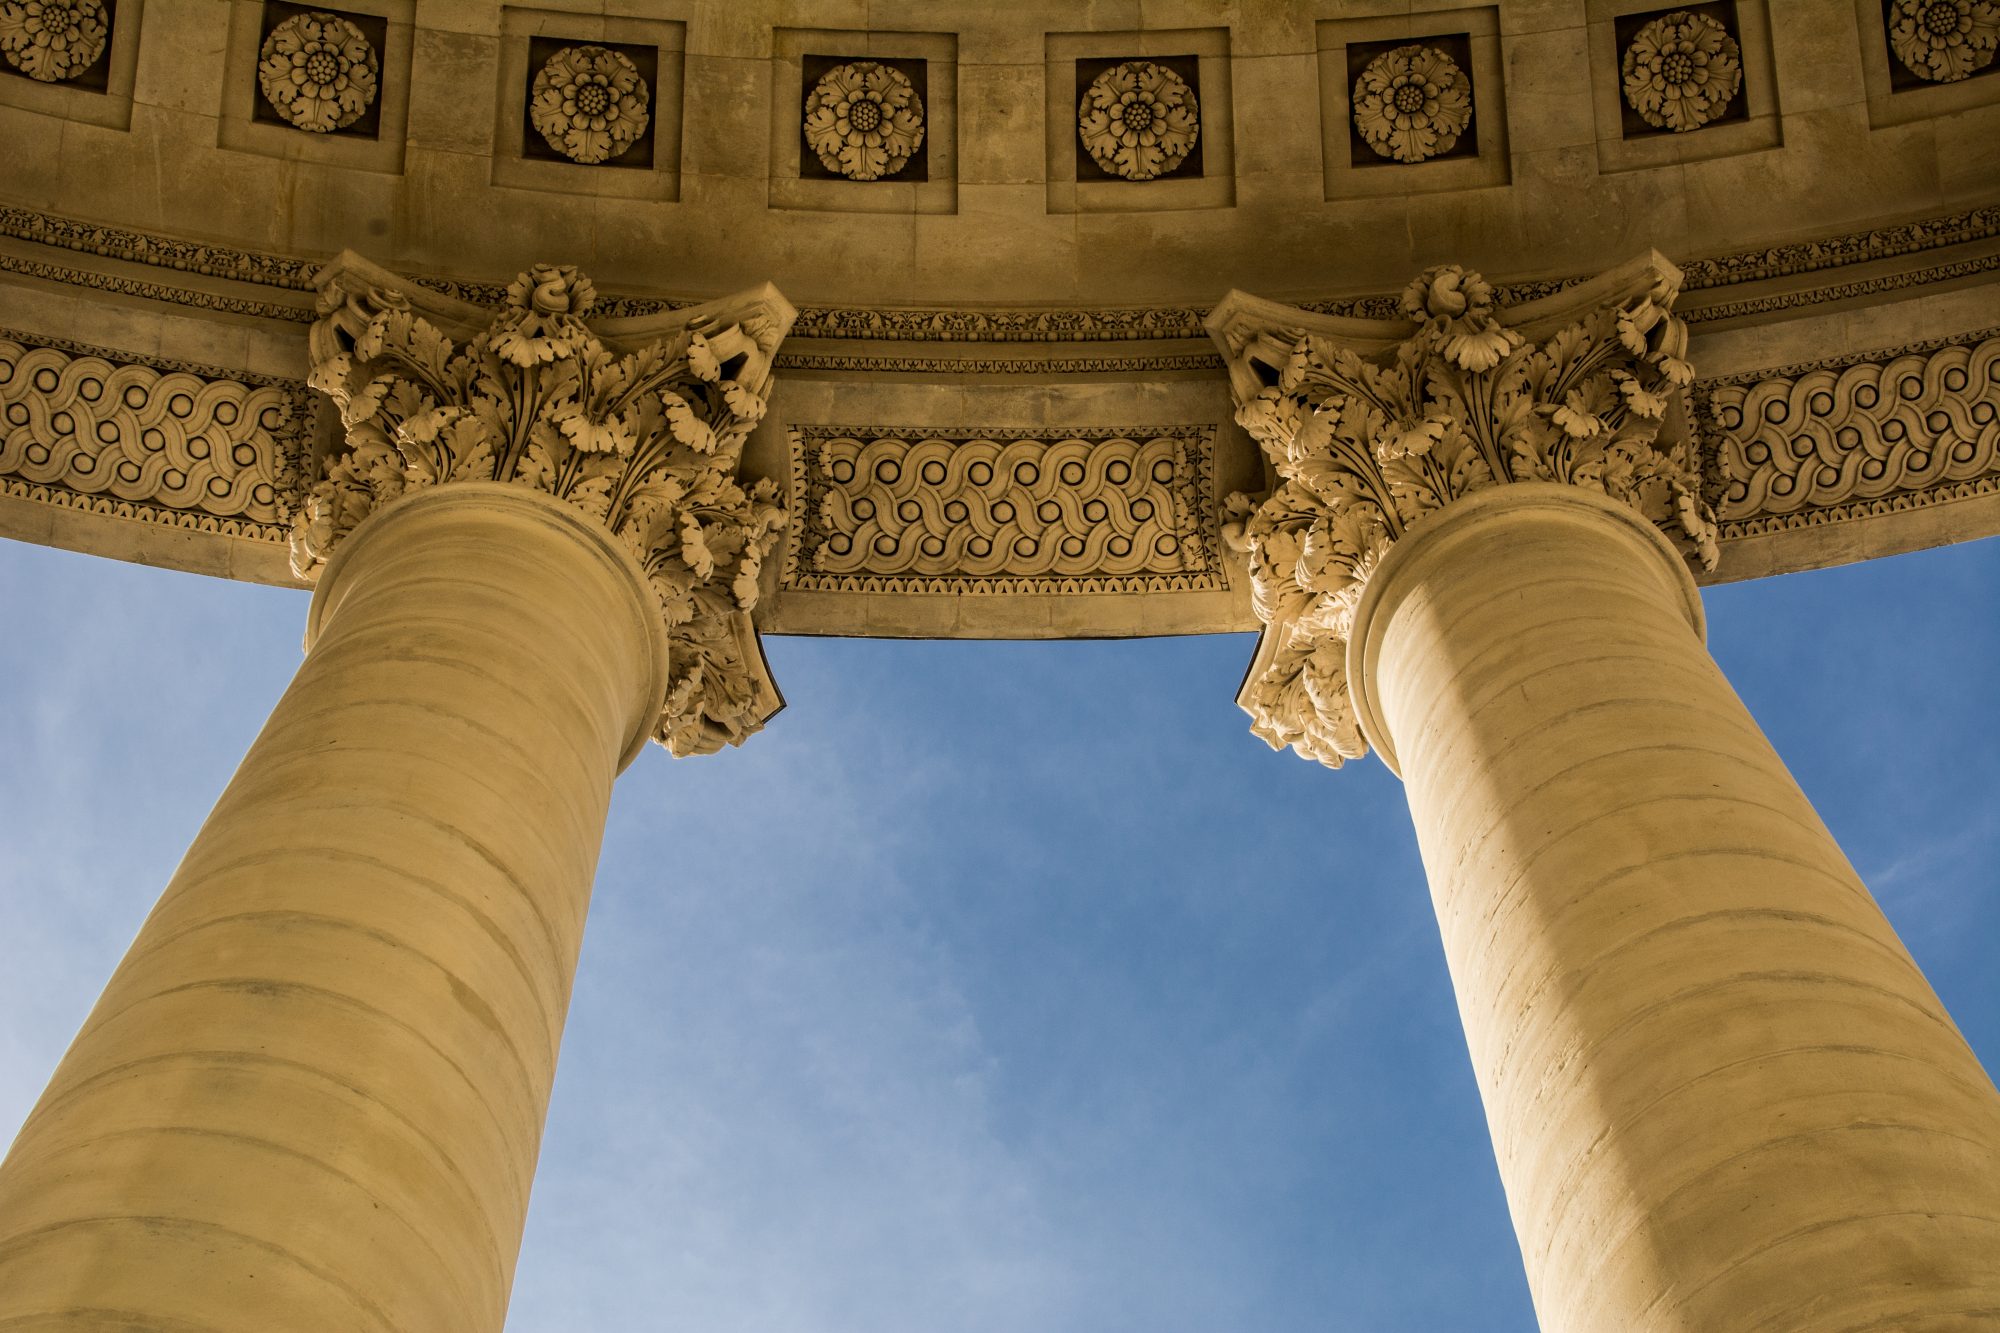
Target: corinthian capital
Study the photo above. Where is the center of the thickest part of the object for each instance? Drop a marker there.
(639, 423)
(1372, 425)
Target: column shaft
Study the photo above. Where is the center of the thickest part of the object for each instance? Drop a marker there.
(1721, 1094)
(312, 1094)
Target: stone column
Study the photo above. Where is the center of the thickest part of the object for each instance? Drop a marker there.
(311, 1096)
(1721, 1094)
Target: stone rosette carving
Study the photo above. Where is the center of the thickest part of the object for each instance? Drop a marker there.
(1138, 120)
(1681, 71)
(904, 510)
(864, 120)
(1369, 436)
(319, 72)
(1944, 40)
(643, 433)
(1898, 427)
(589, 103)
(1412, 104)
(53, 40)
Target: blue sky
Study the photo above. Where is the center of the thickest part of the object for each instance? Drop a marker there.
(995, 986)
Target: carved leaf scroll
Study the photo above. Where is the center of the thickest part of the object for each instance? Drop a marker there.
(643, 435)
(1369, 434)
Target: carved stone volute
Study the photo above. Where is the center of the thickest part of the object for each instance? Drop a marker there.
(639, 423)
(1372, 425)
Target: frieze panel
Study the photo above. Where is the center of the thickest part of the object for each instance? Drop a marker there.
(1004, 511)
(162, 441)
(1833, 440)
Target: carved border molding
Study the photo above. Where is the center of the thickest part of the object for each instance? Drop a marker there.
(1031, 510)
(999, 365)
(942, 325)
(162, 441)
(1874, 433)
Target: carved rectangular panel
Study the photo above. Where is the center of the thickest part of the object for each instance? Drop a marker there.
(1048, 510)
(138, 437)
(1870, 434)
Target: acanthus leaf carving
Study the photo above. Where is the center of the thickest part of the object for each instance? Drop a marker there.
(643, 432)
(1371, 426)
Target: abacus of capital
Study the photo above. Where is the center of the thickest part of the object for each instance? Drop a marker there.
(1720, 1092)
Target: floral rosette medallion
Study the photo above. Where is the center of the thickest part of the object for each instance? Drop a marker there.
(589, 103)
(864, 120)
(1138, 120)
(51, 41)
(1681, 71)
(1944, 40)
(1412, 104)
(318, 71)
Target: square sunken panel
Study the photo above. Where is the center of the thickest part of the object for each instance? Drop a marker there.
(1897, 94)
(523, 158)
(374, 141)
(1456, 46)
(1470, 38)
(637, 155)
(1187, 68)
(100, 93)
(1749, 122)
(1205, 178)
(373, 27)
(926, 183)
(94, 77)
(814, 68)
(1626, 27)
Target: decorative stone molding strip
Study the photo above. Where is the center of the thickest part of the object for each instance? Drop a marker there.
(1000, 365)
(159, 441)
(1874, 433)
(1040, 325)
(1373, 426)
(1004, 511)
(640, 428)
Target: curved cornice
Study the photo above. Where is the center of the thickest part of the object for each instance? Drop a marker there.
(1717, 274)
